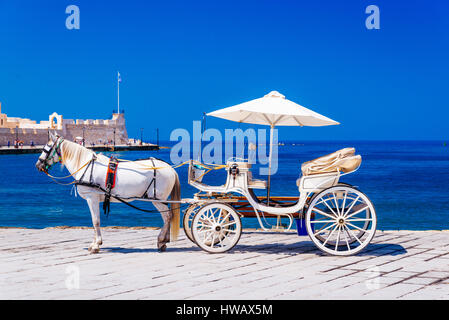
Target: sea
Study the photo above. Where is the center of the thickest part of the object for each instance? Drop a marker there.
(407, 181)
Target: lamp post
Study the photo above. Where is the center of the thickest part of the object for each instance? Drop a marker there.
(84, 143)
(16, 145)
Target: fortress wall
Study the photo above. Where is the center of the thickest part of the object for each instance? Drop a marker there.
(93, 133)
(38, 136)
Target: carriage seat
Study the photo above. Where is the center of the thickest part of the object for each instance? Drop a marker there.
(256, 183)
(252, 183)
(343, 160)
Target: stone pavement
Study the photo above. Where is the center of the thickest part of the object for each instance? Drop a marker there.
(54, 263)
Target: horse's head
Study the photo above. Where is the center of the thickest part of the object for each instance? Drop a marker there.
(51, 153)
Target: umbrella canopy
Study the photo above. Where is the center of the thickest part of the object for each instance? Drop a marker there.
(273, 110)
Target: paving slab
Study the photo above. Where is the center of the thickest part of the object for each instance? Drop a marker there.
(54, 263)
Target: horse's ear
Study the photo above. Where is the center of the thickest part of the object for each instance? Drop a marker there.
(53, 136)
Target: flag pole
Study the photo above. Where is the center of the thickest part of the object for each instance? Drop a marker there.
(118, 92)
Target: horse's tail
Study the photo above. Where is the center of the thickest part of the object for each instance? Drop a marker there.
(175, 195)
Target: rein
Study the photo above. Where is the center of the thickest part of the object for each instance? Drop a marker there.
(70, 175)
(97, 186)
(90, 183)
(56, 149)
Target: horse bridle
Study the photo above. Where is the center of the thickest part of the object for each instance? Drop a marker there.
(50, 152)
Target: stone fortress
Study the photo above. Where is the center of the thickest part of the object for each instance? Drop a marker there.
(94, 132)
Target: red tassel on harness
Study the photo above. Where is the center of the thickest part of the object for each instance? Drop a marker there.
(111, 173)
(110, 183)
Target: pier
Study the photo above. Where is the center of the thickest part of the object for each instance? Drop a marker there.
(105, 148)
(54, 263)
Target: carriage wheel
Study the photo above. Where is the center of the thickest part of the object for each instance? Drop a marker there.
(187, 220)
(339, 195)
(343, 218)
(216, 227)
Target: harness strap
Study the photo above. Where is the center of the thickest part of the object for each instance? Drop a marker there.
(97, 186)
(154, 178)
(152, 182)
(110, 183)
(89, 164)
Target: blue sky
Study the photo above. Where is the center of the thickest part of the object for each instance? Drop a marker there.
(179, 59)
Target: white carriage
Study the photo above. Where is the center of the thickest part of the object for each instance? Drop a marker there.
(339, 218)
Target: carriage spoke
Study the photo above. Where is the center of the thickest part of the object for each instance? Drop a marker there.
(208, 219)
(204, 230)
(220, 213)
(322, 221)
(225, 240)
(338, 238)
(323, 213)
(205, 237)
(229, 230)
(352, 204)
(212, 215)
(224, 219)
(205, 222)
(354, 226)
(228, 224)
(349, 230)
(325, 202)
(221, 237)
(201, 228)
(336, 203)
(330, 235)
(205, 227)
(354, 220)
(344, 202)
(213, 240)
(356, 212)
(346, 238)
(321, 230)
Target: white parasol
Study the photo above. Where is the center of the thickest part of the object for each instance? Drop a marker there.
(273, 110)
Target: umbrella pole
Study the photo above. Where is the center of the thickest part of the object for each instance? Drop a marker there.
(269, 164)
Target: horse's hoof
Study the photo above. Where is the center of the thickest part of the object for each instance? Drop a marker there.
(162, 248)
(95, 250)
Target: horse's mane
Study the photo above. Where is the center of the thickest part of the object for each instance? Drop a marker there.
(72, 151)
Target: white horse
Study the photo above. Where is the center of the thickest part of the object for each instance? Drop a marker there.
(133, 180)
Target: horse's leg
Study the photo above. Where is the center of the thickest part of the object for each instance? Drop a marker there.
(164, 235)
(94, 206)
